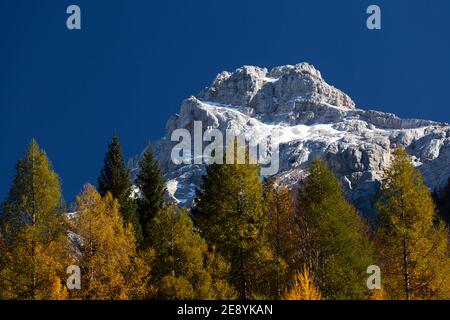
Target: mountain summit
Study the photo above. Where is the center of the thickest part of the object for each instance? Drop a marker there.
(315, 120)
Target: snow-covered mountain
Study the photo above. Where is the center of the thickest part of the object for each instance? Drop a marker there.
(314, 119)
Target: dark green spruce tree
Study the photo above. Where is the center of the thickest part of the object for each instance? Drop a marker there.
(115, 178)
(229, 212)
(333, 242)
(152, 187)
(442, 199)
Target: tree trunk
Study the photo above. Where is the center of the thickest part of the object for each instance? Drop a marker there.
(407, 285)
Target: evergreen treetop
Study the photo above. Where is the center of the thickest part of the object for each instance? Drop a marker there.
(152, 188)
(115, 178)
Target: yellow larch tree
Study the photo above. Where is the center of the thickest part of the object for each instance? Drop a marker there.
(303, 287)
(105, 251)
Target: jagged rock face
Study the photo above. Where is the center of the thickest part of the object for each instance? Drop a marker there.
(315, 120)
(272, 94)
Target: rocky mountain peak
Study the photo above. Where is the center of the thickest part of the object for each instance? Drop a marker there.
(315, 120)
(283, 89)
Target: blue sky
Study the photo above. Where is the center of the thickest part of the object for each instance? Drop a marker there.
(134, 61)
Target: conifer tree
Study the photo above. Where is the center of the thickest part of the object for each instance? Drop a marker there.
(282, 234)
(229, 213)
(152, 187)
(442, 199)
(184, 267)
(333, 244)
(115, 179)
(32, 230)
(105, 251)
(303, 287)
(413, 243)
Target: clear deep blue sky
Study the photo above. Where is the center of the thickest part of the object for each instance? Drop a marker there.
(134, 61)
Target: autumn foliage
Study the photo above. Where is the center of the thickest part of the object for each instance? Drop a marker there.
(244, 238)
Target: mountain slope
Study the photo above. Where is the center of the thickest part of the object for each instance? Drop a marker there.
(313, 119)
